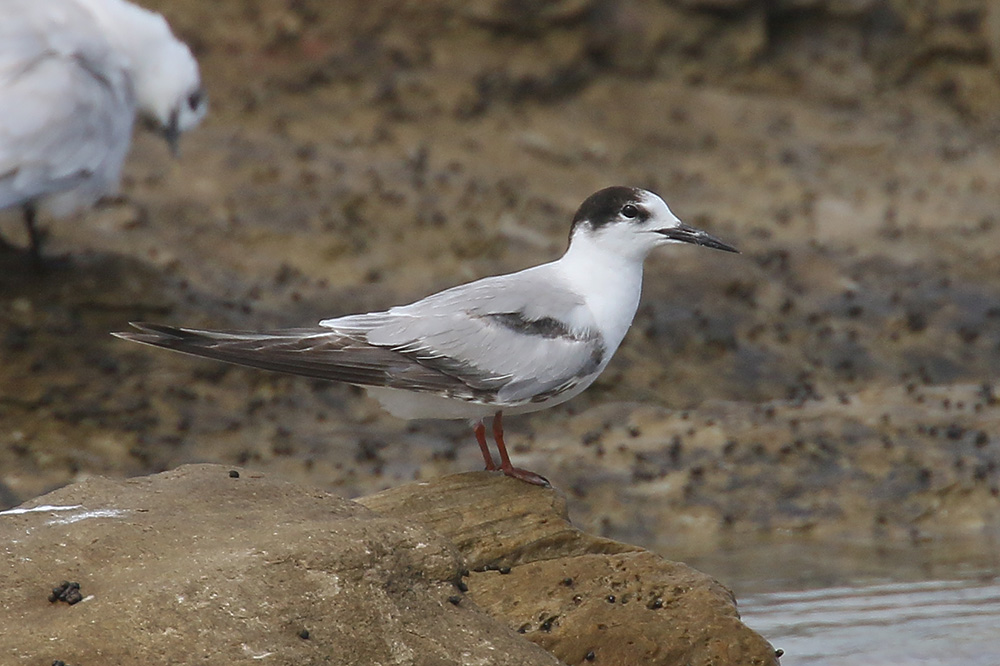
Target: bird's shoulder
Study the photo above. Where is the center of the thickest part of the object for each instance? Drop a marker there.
(540, 292)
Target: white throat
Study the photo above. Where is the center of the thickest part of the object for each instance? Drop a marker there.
(610, 283)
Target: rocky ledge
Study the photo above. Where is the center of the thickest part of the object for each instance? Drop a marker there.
(206, 564)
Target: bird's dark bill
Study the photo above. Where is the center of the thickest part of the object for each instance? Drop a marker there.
(685, 234)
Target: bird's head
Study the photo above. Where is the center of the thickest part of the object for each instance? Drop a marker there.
(632, 221)
(167, 83)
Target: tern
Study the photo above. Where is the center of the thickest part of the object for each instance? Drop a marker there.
(512, 344)
(74, 75)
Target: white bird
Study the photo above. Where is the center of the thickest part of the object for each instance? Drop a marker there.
(511, 343)
(74, 74)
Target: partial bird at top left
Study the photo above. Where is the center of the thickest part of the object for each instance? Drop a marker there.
(74, 75)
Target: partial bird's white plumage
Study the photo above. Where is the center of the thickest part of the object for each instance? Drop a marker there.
(512, 343)
(74, 74)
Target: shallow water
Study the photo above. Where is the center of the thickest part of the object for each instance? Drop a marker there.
(921, 622)
(825, 605)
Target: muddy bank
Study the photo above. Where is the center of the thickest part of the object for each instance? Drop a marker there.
(836, 379)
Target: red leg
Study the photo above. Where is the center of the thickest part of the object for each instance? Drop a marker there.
(505, 466)
(480, 431)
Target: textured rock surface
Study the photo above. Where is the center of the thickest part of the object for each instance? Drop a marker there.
(193, 566)
(493, 521)
(583, 598)
(626, 609)
(196, 566)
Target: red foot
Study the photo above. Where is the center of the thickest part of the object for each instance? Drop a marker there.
(505, 466)
(526, 476)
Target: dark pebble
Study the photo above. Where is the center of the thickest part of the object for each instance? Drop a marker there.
(66, 591)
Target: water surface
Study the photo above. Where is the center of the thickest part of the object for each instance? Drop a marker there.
(829, 604)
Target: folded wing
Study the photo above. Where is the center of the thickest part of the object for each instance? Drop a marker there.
(479, 342)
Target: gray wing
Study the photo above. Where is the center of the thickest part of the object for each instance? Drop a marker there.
(522, 336)
(507, 340)
(311, 352)
(66, 108)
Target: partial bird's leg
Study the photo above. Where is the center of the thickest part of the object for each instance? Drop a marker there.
(34, 235)
(505, 466)
(480, 431)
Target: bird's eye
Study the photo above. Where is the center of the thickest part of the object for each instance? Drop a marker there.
(630, 211)
(194, 99)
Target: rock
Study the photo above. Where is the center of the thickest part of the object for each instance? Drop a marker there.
(526, 17)
(193, 566)
(579, 596)
(715, 5)
(842, 220)
(201, 565)
(991, 32)
(492, 520)
(628, 608)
